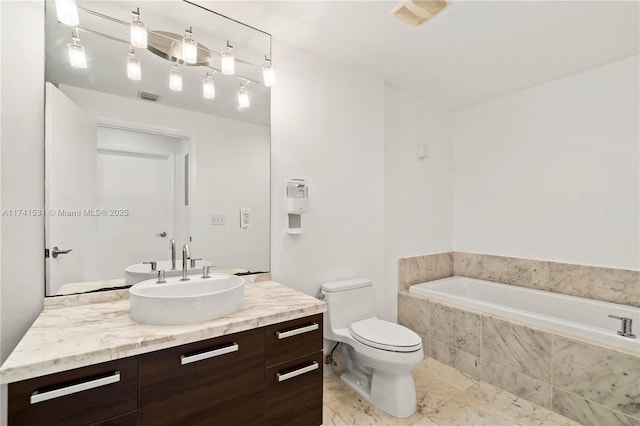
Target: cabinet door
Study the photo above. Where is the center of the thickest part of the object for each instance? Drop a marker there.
(292, 339)
(213, 382)
(294, 392)
(76, 397)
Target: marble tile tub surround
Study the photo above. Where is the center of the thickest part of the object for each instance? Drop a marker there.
(588, 383)
(592, 282)
(71, 337)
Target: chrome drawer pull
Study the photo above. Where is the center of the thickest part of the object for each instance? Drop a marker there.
(188, 359)
(296, 331)
(68, 390)
(298, 372)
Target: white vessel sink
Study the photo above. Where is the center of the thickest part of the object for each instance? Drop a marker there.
(182, 302)
(139, 272)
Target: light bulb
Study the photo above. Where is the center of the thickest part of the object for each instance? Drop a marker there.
(138, 31)
(208, 88)
(67, 12)
(77, 58)
(268, 75)
(243, 98)
(189, 48)
(227, 61)
(134, 71)
(175, 79)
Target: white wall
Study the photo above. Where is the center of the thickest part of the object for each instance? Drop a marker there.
(218, 146)
(327, 126)
(418, 193)
(552, 172)
(22, 172)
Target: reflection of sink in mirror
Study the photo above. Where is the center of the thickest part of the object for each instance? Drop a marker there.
(139, 272)
(182, 302)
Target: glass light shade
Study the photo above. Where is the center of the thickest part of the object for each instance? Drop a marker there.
(138, 33)
(189, 50)
(268, 75)
(134, 71)
(175, 80)
(227, 62)
(77, 58)
(243, 98)
(208, 88)
(67, 12)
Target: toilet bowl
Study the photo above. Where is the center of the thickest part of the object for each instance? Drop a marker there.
(380, 354)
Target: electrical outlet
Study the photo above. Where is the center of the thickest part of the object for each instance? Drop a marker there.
(245, 218)
(217, 219)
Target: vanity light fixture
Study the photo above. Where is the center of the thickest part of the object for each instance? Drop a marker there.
(208, 87)
(189, 48)
(243, 97)
(67, 12)
(228, 61)
(137, 31)
(134, 71)
(175, 79)
(77, 58)
(268, 75)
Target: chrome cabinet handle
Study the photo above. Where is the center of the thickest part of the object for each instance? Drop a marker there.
(281, 377)
(56, 251)
(296, 331)
(188, 359)
(68, 390)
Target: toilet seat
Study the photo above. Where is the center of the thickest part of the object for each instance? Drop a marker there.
(385, 335)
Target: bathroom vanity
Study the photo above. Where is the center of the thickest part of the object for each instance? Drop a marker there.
(91, 364)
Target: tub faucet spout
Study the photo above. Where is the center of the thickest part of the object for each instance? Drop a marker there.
(625, 326)
(186, 256)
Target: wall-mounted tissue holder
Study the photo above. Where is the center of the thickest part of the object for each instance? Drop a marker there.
(297, 203)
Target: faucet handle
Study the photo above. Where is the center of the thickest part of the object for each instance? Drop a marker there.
(626, 325)
(161, 279)
(154, 265)
(193, 261)
(205, 272)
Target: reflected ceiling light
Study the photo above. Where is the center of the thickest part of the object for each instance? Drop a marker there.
(137, 31)
(243, 97)
(77, 58)
(208, 87)
(134, 71)
(227, 61)
(189, 48)
(175, 79)
(268, 75)
(67, 12)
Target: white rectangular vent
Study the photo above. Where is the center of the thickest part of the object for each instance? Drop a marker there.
(147, 96)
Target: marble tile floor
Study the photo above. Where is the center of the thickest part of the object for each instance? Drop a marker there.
(445, 397)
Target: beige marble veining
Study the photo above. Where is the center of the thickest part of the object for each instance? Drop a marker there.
(588, 412)
(71, 337)
(83, 287)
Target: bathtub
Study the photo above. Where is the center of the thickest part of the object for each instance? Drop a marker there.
(574, 316)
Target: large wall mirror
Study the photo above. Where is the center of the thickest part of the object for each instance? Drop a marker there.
(149, 148)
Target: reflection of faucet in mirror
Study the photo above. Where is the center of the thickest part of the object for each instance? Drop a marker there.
(172, 246)
(185, 256)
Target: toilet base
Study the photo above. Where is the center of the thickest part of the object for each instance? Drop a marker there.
(395, 395)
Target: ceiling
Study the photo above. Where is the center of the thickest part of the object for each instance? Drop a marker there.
(471, 52)
(106, 57)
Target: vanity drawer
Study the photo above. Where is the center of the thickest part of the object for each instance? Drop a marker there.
(293, 339)
(76, 397)
(294, 392)
(216, 381)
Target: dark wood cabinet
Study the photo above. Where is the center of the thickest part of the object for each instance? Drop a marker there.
(270, 375)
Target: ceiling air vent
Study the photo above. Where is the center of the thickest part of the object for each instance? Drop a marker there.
(416, 12)
(147, 96)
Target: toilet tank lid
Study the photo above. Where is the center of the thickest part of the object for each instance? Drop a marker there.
(342, 285)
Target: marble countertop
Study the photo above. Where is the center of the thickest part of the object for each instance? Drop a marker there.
(66, 338)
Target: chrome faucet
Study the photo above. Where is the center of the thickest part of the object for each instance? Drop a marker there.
(186, 255)
(172, 246)
(625, 326)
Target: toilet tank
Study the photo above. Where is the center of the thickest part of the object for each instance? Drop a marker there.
(348, 301)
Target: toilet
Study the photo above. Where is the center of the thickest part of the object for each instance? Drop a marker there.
(380, 354)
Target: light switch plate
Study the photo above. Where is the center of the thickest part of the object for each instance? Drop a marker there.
(217, 219)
